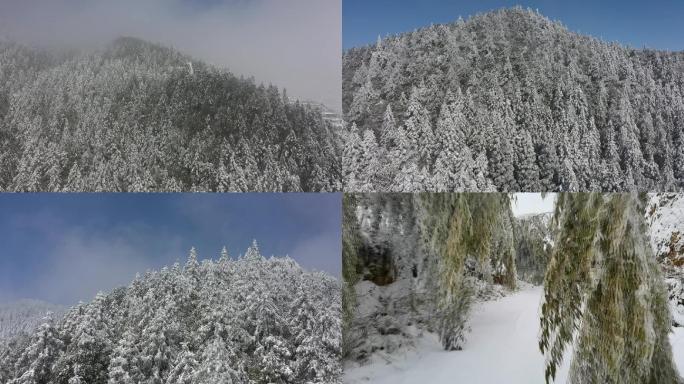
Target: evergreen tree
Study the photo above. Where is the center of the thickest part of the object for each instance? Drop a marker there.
(366, 178)
(183, 371)
(148, 125)
(216, 365)
(418, 129)
(40, 354)
(601, 117)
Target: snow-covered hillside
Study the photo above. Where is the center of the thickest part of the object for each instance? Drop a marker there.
(153, 120)
(24, 316)
(513, 101)
(665, 215)
(501, 348)
(253, 320)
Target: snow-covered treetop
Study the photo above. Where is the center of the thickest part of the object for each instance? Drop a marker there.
(252, 320)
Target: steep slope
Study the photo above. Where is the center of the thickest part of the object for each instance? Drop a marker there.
(136, 116)
(23, 316)
(665, 215)
(253, 320)
(512, 101)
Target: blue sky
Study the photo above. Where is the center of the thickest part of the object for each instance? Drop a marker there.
(655, 24)
(63, 248)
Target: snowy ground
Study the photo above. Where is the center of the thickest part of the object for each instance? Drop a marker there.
(677, 340)
(501, 348)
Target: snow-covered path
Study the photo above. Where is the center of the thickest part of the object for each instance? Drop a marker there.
(501, 348)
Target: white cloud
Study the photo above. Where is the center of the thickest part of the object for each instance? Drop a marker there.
(321, 253)
(84, 262)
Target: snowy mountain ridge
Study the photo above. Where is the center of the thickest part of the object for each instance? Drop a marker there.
(138, 116)
(252, 320)
(509, 100)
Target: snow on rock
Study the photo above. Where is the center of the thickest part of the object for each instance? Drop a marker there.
(665, 216)
(675, 289)
(502, 347)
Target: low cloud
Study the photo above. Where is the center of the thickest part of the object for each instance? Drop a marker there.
(294, 44)
(81, 266)
(83, 261)
(321, 253)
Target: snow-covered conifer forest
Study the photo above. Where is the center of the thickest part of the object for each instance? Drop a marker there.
(23, 316)
(446, 287)
(250, 320)
(136, 116)
(511, 101)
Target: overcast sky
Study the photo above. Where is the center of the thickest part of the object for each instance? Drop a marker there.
(294, 44)
(63, 248)
(532, 203)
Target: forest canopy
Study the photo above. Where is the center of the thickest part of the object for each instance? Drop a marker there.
(250, 320)
(511, 101)
(136, 116)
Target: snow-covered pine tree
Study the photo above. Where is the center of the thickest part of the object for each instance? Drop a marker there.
(152, 125)
(124, 366)
(351, 161)
(418, 129)
(506, 63)
(219, 365)
(454, 166)
(40, 354)
(367, 176)
(184, 368)
(253, 253)
(174, 326)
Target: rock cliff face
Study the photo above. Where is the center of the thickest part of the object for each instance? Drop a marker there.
(397, 288)
(392, 295)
